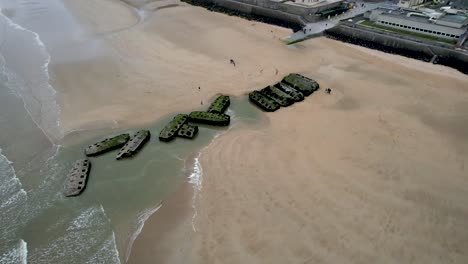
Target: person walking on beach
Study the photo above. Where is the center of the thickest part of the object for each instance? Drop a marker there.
(233, 62)
(198, 88)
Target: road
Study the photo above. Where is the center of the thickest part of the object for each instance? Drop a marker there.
(312, 29)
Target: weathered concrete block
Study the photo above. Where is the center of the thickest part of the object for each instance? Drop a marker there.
(107, 145)
(301, 83)
(220, 104)
(263, 102)
(169, 132)
(214, 119)
(188, 131)
(295, 94)
(134, 144)
(77, 178)
(277, 95)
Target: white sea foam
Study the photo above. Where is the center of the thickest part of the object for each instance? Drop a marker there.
(231, 113)
(196, 179)
(38, 96)
(12, 197)
(16, 255)
(86, 232)
(102, 255)
(140, 223)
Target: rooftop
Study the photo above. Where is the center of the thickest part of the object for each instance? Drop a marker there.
(310, 3)
(462, 4)
(460, 19)
(424, 18)
(413, 16)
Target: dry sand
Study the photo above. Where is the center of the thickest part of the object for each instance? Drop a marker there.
(373, 173)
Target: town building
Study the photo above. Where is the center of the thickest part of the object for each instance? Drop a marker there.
(410, 3)
(441, 25)
(459, 4)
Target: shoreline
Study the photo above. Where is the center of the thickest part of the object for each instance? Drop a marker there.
(51, 129)
(157, 236)
(304, 178)
(176, 218)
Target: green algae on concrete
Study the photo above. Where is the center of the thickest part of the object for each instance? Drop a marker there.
(220, 104)
(303, 84)
(77, 178)
(277, 95)
(134, 144)
(187, 131)
(169, 132)
(214, 119)
(263, 101)
(106, 145)
(295, 94)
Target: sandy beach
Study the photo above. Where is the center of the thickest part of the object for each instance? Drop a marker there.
(372, 173)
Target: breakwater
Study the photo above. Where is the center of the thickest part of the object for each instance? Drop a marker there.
(425, 50)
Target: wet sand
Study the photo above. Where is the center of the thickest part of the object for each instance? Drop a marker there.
(372, 173)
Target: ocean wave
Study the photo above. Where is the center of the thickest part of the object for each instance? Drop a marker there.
(30, 84)
(87, 238)
(140, 223)
(16, 255)
(12, 196)
(108, 253)
(196, 176)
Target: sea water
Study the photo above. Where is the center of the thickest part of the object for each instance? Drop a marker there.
(100, 225)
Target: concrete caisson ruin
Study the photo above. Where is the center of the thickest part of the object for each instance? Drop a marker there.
(169, 132)
(301, 83)
(107, 145)
(77, 178)
(293, 88)
(220, 104)
(207, 118)
(134, 144)
(187, 131)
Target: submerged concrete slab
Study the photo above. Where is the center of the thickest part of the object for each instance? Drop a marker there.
(106, 145)
(188, 131)
(77, 178)
(134, 144)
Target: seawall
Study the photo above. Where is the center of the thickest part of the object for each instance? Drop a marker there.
(403, 45)
(252, 12)
(278, 10)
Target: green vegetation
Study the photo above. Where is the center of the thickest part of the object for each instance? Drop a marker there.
(405, 32)
(290, 42)
(220, 104)
(293, 93)
(134, 144)
(170, 130)
(188, 131)
(215, 119)
(263, 101)
(141, 134)
(106, 145)
(303, 84)
(278, 96)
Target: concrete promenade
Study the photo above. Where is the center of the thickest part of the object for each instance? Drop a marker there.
(316, 28)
